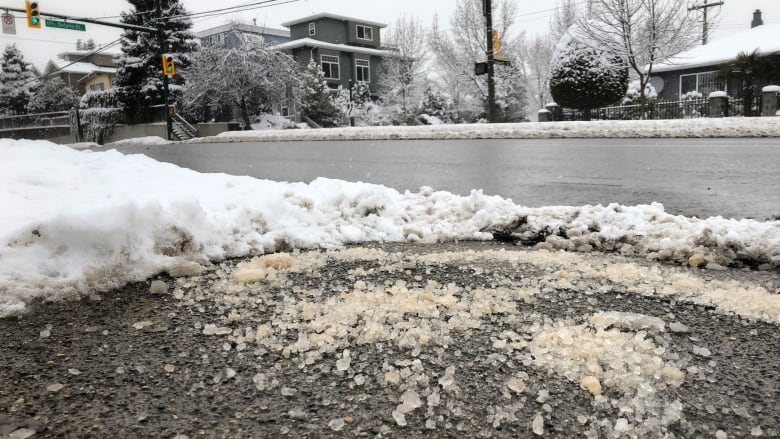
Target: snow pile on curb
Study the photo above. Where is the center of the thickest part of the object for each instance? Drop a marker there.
(648, 231)
(684, 128)
(81, 221)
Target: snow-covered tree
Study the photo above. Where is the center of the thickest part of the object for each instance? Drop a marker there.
(537, 54)
(641, 33)
(251, 77)
(53, 95)
(139, 80)
(456, 51)
(633, 95)
(317, 101)
(433, 104)
(17, 82)
(584, 77)
(404, 70)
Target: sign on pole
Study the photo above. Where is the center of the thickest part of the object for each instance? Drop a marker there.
(9, 24)
(66, 25)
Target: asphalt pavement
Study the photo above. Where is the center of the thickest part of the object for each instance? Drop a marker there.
(733, 178)
(400, 341)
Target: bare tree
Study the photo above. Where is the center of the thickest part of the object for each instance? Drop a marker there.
(455, 53)
(642, 33)
(537, 54)
(404, 70)
(566, 13)
(253, 76)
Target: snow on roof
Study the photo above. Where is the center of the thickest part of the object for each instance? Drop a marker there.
(765, 38)
(309, 42)
(243, 28)
(78, 67)
(335, 17)
(88, 52)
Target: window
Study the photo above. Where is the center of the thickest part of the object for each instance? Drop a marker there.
(704, 83)
(285, 111)
(330, 65)
(362, 71)
(97, 87)
(364, 32)
(312, 29)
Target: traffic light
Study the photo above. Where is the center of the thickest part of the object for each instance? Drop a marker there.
(33, 14)
(168, 65)
(496, 43)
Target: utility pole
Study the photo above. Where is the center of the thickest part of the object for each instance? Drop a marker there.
(705, 7)
(491, 103)
(163, 49)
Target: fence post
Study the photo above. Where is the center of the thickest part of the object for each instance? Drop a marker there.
(769, 100)
(544, 115)
(554, 110)
(719, 103)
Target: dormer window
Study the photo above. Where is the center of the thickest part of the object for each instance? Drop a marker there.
(312, 29)
(364, 33)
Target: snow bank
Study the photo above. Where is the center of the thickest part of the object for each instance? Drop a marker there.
(81, 221)
(148, 140)
(687, 128)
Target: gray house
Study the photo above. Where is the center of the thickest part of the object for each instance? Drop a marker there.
(695, 69)
(233, 36)
(348, 49)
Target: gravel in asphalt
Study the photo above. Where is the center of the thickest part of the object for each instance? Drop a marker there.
(401, 340)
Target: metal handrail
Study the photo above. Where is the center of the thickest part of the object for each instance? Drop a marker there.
(184, 122)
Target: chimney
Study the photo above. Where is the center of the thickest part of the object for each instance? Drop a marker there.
(757, 21)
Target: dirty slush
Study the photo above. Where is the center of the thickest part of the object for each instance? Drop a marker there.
(402, 340)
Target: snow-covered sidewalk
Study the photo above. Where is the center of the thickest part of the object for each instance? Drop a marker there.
(684, 128)
(79, 221)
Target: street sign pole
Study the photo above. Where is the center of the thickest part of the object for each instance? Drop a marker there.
(89, 20)
(163, 49)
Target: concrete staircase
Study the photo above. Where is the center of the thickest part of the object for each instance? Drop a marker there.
(182, 129)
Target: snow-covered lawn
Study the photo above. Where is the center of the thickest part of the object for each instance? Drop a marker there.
(682, 128)
(79, 221)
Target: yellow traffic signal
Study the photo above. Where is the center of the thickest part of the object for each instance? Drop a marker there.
(33, 14)
(496, 43)
(168, 65)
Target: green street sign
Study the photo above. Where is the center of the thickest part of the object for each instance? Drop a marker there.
(66, 25)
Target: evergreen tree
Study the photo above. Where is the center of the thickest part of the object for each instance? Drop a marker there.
(433, 104)
(317, 102)
(139, 80)
(53, 95)
(583, 77)
(17, 82)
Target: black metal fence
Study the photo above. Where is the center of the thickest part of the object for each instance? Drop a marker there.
(661, 110)
(35, 120)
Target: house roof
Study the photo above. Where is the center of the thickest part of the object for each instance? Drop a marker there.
(764, 38)
(88, 52)
(243, 28)
(335, 17)
(309, 42)
(85, 68)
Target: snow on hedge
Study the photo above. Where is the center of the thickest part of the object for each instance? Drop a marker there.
(79, 221)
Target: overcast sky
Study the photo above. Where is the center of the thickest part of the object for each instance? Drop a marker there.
(39, 45)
